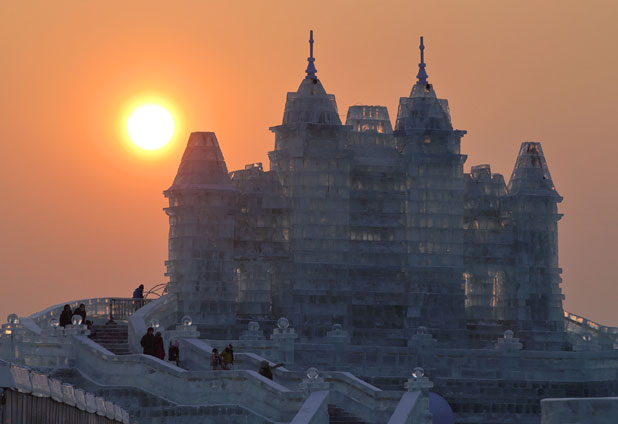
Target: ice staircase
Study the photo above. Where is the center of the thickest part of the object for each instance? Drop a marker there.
(148, 408)
(338, 415)
(113, 336)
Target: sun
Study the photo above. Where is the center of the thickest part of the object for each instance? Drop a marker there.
(150, 127)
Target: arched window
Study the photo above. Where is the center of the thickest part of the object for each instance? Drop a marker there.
(467, 288)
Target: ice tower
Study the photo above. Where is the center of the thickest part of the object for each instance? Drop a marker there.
(537, 306)
(312, 164)
(201, 237)
(434, 209)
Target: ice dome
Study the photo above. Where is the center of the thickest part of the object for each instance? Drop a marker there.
(441, 412)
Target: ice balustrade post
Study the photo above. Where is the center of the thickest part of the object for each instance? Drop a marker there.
(284, 336)
(252, 332)
(338, 335)
(314, 382)
(418, 382)
(508, 343)
(422, 338)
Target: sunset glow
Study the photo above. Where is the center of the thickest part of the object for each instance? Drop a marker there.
(150, 127)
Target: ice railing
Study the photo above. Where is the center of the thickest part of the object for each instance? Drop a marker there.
(590, 325)
(370, 403)
(28, 382)
(118, 308)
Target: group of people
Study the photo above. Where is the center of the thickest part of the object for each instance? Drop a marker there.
(153, 345)
(224, 360)
(66, 317)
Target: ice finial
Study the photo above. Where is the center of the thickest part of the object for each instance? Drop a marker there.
(310, 66)
(422, 75)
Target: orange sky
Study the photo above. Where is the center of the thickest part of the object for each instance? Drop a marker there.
(82, 211)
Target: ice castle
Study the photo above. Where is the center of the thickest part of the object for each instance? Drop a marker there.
(412, 291)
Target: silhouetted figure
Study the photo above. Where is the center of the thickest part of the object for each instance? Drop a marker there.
(81, 311)
(266, 369)
(138, 293)
(227, 356)
(173, 352)
(65, 316)
(148, 342)
(159, 347)
(216, 363)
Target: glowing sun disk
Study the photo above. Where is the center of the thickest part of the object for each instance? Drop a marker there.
(150, 127)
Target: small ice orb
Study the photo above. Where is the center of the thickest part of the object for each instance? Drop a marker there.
(13, 319)
(155, 324)
(283, 323)
(187, 321)
(76, 320)
(418, 372)
(312, 373)
(253, 326)
(337, 327)
(54, 322)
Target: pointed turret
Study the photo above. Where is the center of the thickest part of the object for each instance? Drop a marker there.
(202, 165)
(531, 174)
(310, 103)
(422, 109)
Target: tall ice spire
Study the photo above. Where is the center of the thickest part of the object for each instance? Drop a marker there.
(310, 66)
(422, 75)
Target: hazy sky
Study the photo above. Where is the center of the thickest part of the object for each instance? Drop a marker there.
(82, 211)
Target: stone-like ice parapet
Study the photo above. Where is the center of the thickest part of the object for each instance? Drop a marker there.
(56, 389)
(40, 385)
(579, 410)
(68, 394)
(80, 399)
(21, 376)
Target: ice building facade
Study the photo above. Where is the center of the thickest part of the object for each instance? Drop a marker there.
(395, 287)
(377, 229)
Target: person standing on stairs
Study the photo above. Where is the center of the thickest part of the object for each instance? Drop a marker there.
(173, 352)
(81, 311)
(148, 342)
(65, 316)
(227, 356)
(159, 347)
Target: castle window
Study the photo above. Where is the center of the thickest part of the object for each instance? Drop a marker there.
(467, 288)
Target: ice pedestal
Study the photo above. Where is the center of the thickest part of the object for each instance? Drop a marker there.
(283, 339)
(508, 343)
(422, 339)
(418, 382)
(338, 335)
(253, 332)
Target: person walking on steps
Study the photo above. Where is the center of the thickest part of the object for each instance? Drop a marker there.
(266, 369)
